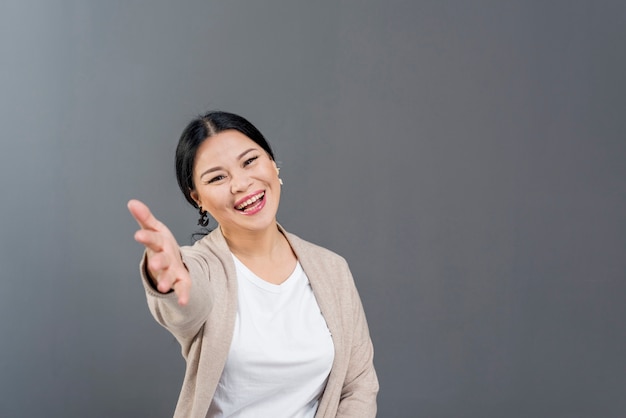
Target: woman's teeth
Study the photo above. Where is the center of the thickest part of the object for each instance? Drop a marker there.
(250, 201)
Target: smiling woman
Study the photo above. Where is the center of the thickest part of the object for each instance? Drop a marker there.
(233, 176)
(270, 325)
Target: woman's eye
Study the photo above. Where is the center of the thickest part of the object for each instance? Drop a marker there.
(249, 161)
(216, 178)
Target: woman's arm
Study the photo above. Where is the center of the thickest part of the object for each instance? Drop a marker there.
(175, 281)
(360, 388)
(164, 264)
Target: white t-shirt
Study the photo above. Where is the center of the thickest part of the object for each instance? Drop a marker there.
(281, 353)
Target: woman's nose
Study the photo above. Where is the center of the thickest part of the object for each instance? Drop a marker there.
(240, 182)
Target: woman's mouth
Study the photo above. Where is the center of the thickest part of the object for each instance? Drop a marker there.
(251, 204)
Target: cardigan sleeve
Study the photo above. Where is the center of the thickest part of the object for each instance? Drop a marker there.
(183, 322)
(360, 387)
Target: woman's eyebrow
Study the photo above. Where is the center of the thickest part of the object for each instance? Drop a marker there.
(210, 170)
(245, 152)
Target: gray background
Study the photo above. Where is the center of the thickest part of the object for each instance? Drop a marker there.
(467, 158)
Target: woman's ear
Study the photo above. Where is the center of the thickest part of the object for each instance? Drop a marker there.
(195, 197)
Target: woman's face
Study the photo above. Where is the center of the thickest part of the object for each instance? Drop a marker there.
(236, 182)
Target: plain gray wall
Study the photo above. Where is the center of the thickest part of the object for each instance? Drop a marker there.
(467, 158)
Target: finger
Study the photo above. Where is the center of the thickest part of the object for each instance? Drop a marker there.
(152, 240)
(159, 262)
(164, 279)
(165, 284)
(182, 287)
(142, 215)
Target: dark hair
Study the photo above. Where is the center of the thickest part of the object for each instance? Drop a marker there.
(197, 131)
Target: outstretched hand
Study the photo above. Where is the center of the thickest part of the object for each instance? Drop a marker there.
(164, 263)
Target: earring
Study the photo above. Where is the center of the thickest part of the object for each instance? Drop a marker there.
(278, 174)
(203, 221)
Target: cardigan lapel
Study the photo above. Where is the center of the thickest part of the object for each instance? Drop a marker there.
(323, 290)
(321, 283)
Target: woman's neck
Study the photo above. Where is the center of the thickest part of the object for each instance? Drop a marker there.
(255, 244)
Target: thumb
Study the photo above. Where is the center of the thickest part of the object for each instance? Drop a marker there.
(142, 215)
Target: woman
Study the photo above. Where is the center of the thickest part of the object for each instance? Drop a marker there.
(269, 324)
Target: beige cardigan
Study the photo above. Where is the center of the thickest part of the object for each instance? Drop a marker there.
(204, 327)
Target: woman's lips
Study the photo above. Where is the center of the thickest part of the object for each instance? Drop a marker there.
(251, 204)
(254, 208)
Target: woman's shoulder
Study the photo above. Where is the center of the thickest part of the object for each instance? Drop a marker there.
(327, 271)
(213, 245)
(307, 250)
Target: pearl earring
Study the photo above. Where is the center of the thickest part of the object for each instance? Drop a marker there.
(278, 174)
